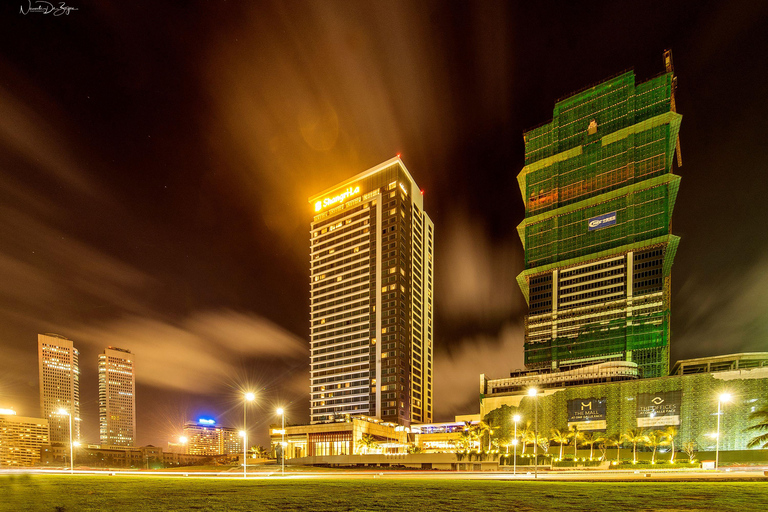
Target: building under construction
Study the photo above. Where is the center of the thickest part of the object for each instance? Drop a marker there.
(599, 192)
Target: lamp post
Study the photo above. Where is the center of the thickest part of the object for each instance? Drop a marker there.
(515, 418)
(533, 392)
(725, 397)
(71, 445)
(248, 397)
(281, 412)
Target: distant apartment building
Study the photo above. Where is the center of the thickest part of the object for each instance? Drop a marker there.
(117, 398)
(59, 386)
(21, 439)
(204, 437)
(371, 282)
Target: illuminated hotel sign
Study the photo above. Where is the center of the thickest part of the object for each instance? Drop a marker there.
(602, 221)
(206, 421)
(330, 201)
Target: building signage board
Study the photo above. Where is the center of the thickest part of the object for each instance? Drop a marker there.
(659, 409)
(602, 221)
(587, 413)
(339, 198)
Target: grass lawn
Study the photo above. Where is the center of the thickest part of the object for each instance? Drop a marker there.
(62, 493)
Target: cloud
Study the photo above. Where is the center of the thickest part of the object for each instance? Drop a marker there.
(722, 319)
(457, 373)
(43, 266)
(30, 136)
(478, 276)
(198, 353)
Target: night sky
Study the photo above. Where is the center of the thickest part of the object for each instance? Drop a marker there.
(156, 160)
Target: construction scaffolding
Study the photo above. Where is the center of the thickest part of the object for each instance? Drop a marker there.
(599, 194)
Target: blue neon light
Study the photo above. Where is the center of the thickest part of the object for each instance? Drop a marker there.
(206, 421)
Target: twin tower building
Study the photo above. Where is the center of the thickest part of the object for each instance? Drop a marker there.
(60, 392)
(599, 192)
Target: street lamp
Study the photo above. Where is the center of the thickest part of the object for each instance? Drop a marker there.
(533, 392)
(281, 412)
(248, 397)
(71, 444)
(515, 418)
(725, 397)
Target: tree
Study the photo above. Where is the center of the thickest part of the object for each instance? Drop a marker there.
(614, 440)
(635, 436)
(526, 435)
(544, 444)
(761, 427)
(559, 436)
(575, 435)
(482, 428)
(603, 449)
(258, 451)
(502, 423)
(689, 448)
(367, 442)
(654, 438)
(669, 437)
(591, 438)
(466, 438)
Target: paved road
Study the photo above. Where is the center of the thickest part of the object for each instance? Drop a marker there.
(589, 475)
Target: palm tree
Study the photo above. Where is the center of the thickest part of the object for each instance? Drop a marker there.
(761, 427)
(367, 442)
(634, 436)
(526, 436)
(576, 435)
(591, 438)
(603, 448)
(465, 439)
(258, 451)
(559, 436)
(669, 436)
(655, 438)
(481, 428)
(614, 440)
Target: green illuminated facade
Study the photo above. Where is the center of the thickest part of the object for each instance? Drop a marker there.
(599, 193)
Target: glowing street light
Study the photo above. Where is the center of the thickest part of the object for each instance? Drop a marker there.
(64, 412)
(725, 397)
(515, 418)
(248, 397)
(533, 392)
(281, 412)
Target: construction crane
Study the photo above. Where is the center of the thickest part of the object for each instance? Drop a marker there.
(671, 69)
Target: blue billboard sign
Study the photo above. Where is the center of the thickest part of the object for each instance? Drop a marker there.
(602, 221)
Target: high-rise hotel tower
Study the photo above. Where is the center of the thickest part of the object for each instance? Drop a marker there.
(117, 398)
(59, 386)
(371, 270)
(599, 192)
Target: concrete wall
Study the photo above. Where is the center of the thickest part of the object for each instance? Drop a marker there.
(445, 461)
